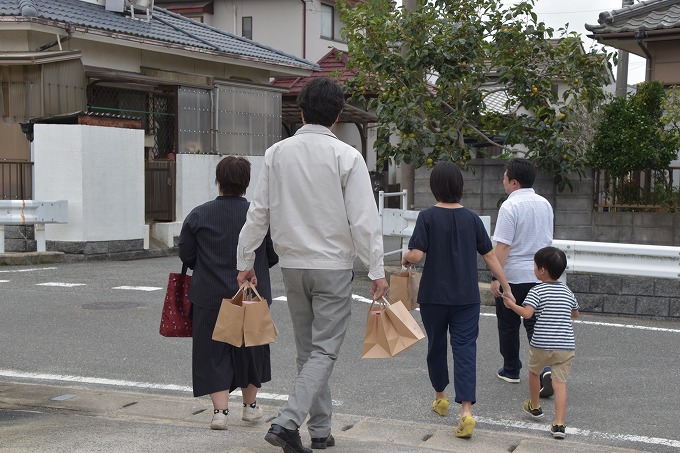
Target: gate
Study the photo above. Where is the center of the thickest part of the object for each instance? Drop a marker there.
(160, 180)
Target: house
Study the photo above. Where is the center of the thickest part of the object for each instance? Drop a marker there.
(305, 28)
(650, 29)
(311, 31)
(81, 75)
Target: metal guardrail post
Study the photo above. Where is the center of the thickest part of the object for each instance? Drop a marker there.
(381, 209)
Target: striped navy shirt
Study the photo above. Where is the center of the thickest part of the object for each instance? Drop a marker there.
(553, 303)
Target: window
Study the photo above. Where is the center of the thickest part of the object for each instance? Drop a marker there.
(330, 23)
(247, 27)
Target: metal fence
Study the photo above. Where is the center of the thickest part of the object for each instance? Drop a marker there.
(640, 191)
(155, 109)
(16, 180)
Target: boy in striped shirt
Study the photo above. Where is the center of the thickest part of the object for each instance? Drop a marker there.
(553, 343)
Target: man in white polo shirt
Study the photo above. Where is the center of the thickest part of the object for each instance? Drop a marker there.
(524, 225)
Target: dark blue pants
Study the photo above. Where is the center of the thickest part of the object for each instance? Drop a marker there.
(462, 323)
(508, 328)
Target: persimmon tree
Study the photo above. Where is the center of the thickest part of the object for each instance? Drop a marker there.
(455, 76)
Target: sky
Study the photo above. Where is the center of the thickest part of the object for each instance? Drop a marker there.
(577, 13)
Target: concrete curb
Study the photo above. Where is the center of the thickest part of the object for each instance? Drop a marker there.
(148, 411)
(24, 258)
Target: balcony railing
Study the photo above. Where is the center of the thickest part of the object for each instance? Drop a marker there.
(16, 180)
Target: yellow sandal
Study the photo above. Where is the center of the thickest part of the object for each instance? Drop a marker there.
(441, 406)
(465, 427)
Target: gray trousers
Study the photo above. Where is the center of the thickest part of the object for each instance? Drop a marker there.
(320, 304)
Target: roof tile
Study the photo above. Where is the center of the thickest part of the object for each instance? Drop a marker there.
(164, 27)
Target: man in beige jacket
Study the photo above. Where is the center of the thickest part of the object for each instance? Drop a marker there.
(314, 193)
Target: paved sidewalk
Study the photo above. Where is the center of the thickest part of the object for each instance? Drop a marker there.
(57, 418)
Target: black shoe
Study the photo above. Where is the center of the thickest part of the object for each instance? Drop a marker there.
(288, 439)
(546, 383)
(558, 431)
(320, 443)
(507, 377)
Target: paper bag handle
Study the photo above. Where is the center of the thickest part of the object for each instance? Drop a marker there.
(250, 286)
(384, 302)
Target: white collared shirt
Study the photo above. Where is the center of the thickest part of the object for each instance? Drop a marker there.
(525, 223)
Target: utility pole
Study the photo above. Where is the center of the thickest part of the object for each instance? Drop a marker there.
(407, 170)
(622, 66)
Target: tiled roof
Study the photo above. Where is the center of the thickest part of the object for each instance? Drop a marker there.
(496, 101)
(646, 15)
(164, 29)
(330, 67)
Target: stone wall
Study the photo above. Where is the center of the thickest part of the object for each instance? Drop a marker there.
(576, 220)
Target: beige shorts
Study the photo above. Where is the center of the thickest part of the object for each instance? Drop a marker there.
(559, 360)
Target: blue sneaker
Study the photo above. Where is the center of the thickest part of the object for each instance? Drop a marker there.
(507, 377)
(546, 383)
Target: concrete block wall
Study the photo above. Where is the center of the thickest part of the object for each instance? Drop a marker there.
(576, 220)
(20, 238)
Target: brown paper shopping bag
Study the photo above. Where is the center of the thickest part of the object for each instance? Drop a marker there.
(229, 325)
(390, 329)
(378, 332)
(404, 287)
(408, 330)
(258, 325)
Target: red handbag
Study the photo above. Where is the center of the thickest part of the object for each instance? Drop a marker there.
(176, 314)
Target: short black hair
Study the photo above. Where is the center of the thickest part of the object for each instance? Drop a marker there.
(321, 101)
(521, 170)
(233, 176)
(552, 260)
(446, 182)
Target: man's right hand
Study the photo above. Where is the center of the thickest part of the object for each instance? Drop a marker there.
(248, 274)
(379, 288)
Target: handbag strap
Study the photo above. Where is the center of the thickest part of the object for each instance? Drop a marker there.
(184, 269)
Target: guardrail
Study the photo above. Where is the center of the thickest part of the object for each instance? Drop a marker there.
(31, 212)
(611, 258)
(621, 259)
(400, 222)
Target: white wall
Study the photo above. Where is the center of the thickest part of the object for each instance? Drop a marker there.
(100, 171)
(268, 17)
(195, 186)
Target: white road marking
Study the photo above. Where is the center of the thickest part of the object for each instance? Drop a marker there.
(612, 324)
(4, 281)
(576, 321)
(581, 432)
(128, 384)
(27, 270)
(65, 285)
(138, 288)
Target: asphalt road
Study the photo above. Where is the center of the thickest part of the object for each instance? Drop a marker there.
(73, 322)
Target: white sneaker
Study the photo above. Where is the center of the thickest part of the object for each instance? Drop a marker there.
(219, 420)
(250, 414)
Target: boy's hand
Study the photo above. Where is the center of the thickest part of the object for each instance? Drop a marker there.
(509, 300)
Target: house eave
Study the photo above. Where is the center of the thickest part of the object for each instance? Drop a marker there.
(96, 35)
(33, 58)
